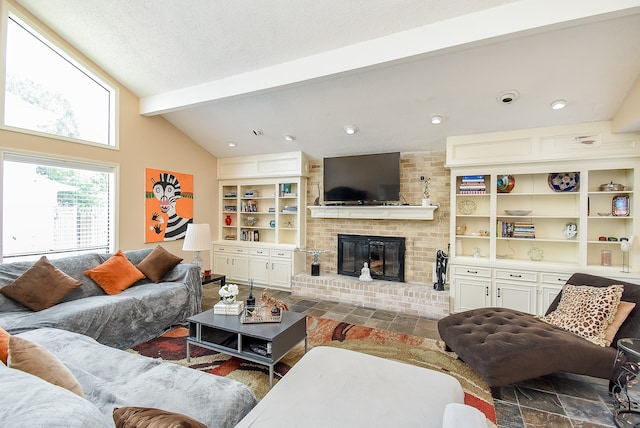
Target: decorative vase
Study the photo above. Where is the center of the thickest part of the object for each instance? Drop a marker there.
(227, 220)
(229, 299)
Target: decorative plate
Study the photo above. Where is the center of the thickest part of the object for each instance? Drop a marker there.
(564, 181)
(505, 183)
(535, 254)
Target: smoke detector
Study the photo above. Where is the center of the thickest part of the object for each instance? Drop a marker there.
(508, 96)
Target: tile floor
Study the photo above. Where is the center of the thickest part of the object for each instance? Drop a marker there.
(557, 401)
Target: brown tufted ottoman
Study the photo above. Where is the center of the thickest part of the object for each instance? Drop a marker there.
(505, 346)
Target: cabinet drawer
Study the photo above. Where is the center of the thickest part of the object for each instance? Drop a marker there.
(514, 275)
(259, 252)
(230, 250)
(554, 278)
(472, 271)
(282, 254)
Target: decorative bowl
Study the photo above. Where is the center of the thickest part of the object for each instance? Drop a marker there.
(564, 181)
(505, 183)
(604, 214)
(611, 187)
(517, 212)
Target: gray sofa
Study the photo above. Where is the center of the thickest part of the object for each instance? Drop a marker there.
(140, 313)
(113, 378)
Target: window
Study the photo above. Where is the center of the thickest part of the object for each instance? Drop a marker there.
(46, 91)
(55, 208)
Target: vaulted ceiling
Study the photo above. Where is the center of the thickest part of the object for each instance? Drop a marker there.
(224, 71)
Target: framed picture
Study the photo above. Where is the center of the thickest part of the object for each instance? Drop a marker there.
(168, 205)
(620, 206)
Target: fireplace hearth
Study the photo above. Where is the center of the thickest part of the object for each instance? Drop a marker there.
(384, 254)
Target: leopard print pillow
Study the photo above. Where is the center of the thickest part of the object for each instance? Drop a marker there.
(586, 310)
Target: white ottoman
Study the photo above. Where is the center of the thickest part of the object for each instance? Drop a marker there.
(331, 387)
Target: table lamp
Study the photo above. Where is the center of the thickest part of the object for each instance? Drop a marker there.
(198, 239)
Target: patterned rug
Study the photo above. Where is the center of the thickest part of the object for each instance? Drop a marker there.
(405, 348)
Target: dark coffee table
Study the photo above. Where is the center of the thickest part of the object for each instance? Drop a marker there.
(227, 334)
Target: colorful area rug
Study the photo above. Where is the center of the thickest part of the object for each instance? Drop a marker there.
(405, 348)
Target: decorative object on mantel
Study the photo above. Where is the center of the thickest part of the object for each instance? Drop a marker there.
(315, 265)
(316, 202)
(365, 273)
(425, 194)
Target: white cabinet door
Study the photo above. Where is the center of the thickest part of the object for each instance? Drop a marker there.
(521, 297)
(240, 268)
(259, 266)
(281, 268)
(222, 264)
(471, 293)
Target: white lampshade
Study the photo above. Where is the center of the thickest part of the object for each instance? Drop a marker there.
(198, 239)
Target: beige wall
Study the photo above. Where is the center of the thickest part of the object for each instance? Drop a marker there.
(145, 142)
(423, 238)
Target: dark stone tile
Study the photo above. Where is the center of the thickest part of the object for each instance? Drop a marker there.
(379, 324)
(354, 319)
(425, 323)
(540, 383)
(539, 400)
(363, 312)
(426, 332)
(307, 303)
(534, 418)
(587, 424)
(574, 387)
(586, 410)
(341, 308)
(383, 315)
(325, 305)
(508, 394)
(400, 327)
(508, 415)
(318, 313)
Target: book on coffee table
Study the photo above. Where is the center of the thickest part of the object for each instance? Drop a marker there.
(222, 308)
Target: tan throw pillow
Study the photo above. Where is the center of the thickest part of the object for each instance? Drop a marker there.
(624, 309)
(146, 417)
(116, 274)
(158, 263)
(33, 358)
(586, 311)
(41, 286)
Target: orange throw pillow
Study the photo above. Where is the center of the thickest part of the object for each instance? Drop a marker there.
(116, 274)
(624, 309)
(4, 344)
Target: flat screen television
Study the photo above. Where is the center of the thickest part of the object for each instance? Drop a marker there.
(362, 178)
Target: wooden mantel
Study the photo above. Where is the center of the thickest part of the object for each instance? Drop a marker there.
(377, 212)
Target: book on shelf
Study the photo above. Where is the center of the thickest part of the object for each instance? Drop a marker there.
(472, 184)
(222, 308)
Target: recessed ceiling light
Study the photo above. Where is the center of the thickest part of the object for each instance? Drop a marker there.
(436, 119)
(231, 144)
(289, 137)
(559, 104)
(351, 129)
(508, 96)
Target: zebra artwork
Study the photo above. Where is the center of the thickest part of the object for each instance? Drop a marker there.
(167, 190)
